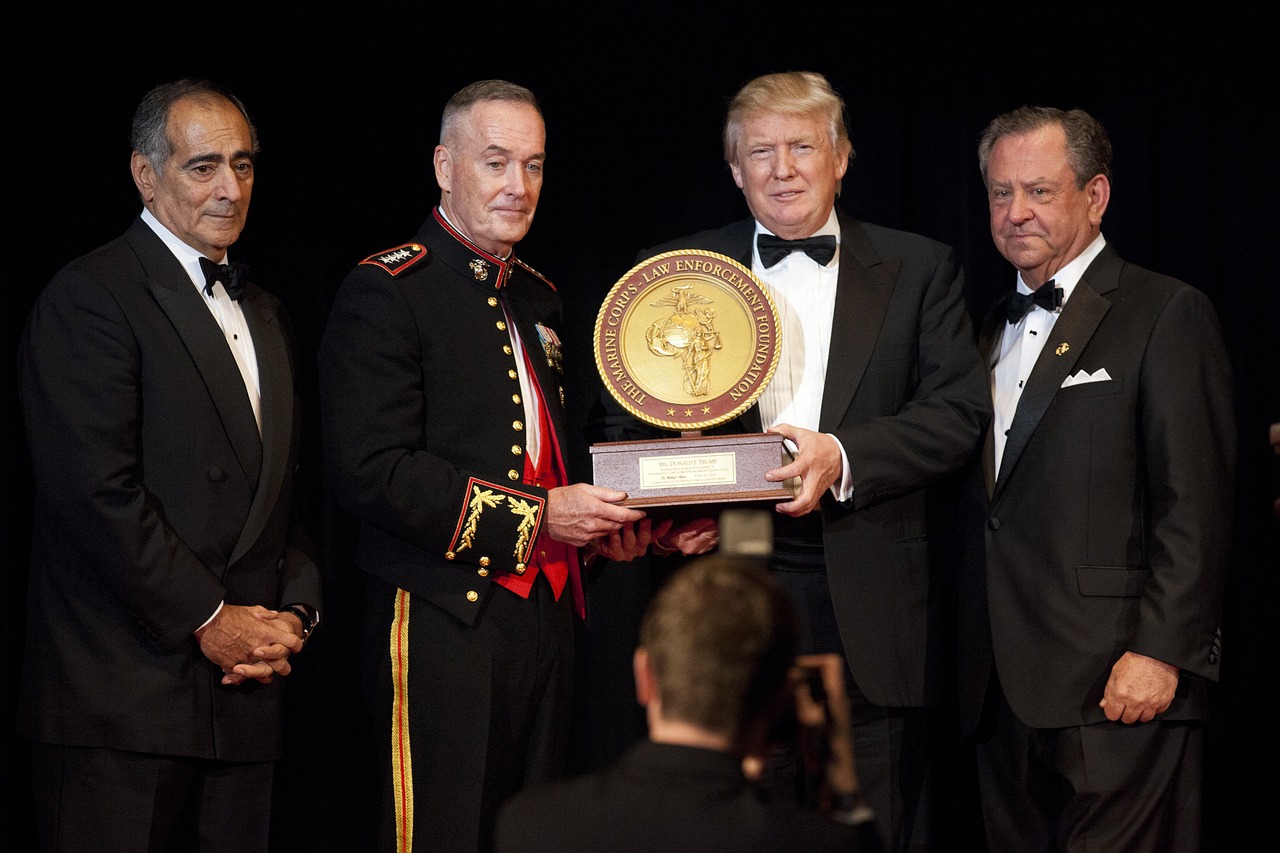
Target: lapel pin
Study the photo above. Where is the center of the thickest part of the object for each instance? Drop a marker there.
(1062, 349)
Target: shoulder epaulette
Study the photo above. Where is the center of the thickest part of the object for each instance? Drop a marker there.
(535, 273)
(399, 259)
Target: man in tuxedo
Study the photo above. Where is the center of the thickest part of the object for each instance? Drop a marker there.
(711, 671)
(879, 391)
(165, 596)
(444, 427)
(1100, 519)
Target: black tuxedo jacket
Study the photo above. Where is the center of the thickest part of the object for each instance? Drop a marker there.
(671, 798)
(1107, 527)
(155, 500)
(906, 396)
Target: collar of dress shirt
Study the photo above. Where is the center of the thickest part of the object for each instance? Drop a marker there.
(1069, 276)
(187, 256)
(831, 227)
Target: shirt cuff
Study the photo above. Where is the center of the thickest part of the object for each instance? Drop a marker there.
(842, 489)
(212, 616)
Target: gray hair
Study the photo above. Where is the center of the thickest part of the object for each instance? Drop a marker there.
(149, 135)
(482, 90)
(1088, 148)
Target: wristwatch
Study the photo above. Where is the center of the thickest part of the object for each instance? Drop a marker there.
(307, 615)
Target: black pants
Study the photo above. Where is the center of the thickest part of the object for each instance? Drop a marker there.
(91, 800)
(1098, 788)
(892, 746)
(466, 715)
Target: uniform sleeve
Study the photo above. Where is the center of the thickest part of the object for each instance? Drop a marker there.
(374, 412)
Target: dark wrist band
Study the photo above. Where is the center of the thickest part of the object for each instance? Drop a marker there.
(306, 615)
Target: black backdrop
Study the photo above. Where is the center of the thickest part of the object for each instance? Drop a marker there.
(348, 105)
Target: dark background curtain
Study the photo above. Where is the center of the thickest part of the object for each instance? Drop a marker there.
(634, 94)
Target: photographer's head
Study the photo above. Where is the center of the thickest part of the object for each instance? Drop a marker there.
(715, 648)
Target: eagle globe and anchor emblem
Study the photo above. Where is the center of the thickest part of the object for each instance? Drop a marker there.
(685, 341)
(689, 334)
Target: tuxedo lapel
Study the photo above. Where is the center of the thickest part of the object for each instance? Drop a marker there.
(1068, 339)
(863, 290)
(204, 342)
(275, 378)
(989, 350)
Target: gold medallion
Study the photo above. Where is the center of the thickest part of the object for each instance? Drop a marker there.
(687, 340)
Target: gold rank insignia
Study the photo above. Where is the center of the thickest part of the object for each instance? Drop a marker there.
(499, 520)
(398, 259)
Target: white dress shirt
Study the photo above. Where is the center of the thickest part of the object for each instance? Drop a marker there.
(1021, 343)
(225, 310)
(230, 318)
(804, 296)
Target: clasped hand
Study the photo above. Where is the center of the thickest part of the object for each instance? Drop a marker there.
(251, 642)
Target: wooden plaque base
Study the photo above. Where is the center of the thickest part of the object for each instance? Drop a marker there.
(692, 470)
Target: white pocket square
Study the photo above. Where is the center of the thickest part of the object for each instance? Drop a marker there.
(1100, 375)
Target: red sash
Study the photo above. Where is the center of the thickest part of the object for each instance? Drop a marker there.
(556, 560)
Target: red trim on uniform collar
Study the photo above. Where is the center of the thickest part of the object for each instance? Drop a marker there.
(503, 265)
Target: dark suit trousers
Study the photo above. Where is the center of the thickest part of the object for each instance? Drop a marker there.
(890, 745)
(1097, 788)
(108, 801)
(466, 715)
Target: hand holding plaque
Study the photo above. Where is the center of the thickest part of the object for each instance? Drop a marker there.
(685, 341)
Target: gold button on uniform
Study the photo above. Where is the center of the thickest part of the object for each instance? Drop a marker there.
(512, 475)
(515, 398)
(484, 573)
(472, 595)
(517, 449)
(506, 348)
(484, 561)
(449, 555)
(502, 325)
(493, 302)
(513, 374)
(520, 568)
(517, 426)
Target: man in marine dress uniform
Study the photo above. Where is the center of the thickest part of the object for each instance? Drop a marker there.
(444, 427)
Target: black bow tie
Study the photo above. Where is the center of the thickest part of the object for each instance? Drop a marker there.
(234, 277)
(1018, 305)
(773, 249)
